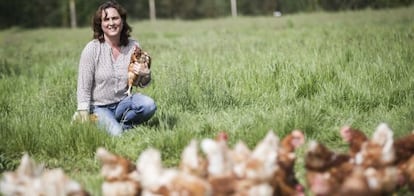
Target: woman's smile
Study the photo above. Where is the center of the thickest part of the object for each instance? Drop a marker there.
(111, 22)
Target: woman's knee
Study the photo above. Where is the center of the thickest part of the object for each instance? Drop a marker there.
(141, 109)
(106, 120)
(146, 103)
(150, 106)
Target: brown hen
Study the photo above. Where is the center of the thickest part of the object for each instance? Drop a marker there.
(326, 170)
(32, 179)
(354, 137)
(404, 159)
(120, 175)
(285, 181)
(138, 58)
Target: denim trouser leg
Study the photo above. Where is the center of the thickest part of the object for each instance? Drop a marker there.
(106, 119)
(134, 110)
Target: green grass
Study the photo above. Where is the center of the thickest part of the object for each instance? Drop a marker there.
(245, 75)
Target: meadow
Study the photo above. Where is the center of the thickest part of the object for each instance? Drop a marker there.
(245, 75)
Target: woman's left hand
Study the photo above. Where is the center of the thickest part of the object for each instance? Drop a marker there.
(144, 74)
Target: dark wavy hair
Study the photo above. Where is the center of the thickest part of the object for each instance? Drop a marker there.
(97, 20)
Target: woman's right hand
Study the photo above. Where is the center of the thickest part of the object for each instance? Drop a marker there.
(80, 116)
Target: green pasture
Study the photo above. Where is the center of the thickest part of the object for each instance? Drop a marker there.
(245, 75)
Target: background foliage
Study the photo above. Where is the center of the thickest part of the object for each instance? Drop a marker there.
(246, 75)
(55, 13)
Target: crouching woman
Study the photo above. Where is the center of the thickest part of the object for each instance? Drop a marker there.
(103, 74)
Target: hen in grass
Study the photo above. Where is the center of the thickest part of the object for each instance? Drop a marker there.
(120, 175)
(285, 182)
(354, 137)
(32, 179)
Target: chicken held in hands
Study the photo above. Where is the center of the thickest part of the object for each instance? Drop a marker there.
(138, 69)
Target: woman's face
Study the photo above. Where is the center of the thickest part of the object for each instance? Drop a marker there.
(111, 23)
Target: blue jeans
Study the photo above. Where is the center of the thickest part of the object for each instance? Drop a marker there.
(118, 117)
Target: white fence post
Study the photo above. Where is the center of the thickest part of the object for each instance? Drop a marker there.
(152, 10)
(233, 8)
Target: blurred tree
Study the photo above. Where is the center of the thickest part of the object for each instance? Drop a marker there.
(10, 14)
(85, 11)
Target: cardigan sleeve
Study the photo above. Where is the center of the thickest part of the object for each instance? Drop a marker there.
(86, 75)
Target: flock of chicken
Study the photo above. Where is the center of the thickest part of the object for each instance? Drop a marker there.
(379, 165)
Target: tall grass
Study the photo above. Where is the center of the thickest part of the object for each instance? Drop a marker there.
(245, 75)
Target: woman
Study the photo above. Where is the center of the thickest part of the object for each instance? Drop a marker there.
(103, 72)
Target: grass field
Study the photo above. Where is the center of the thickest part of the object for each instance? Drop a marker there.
(246, 75)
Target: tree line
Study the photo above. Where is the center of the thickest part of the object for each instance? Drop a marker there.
(56, 13)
